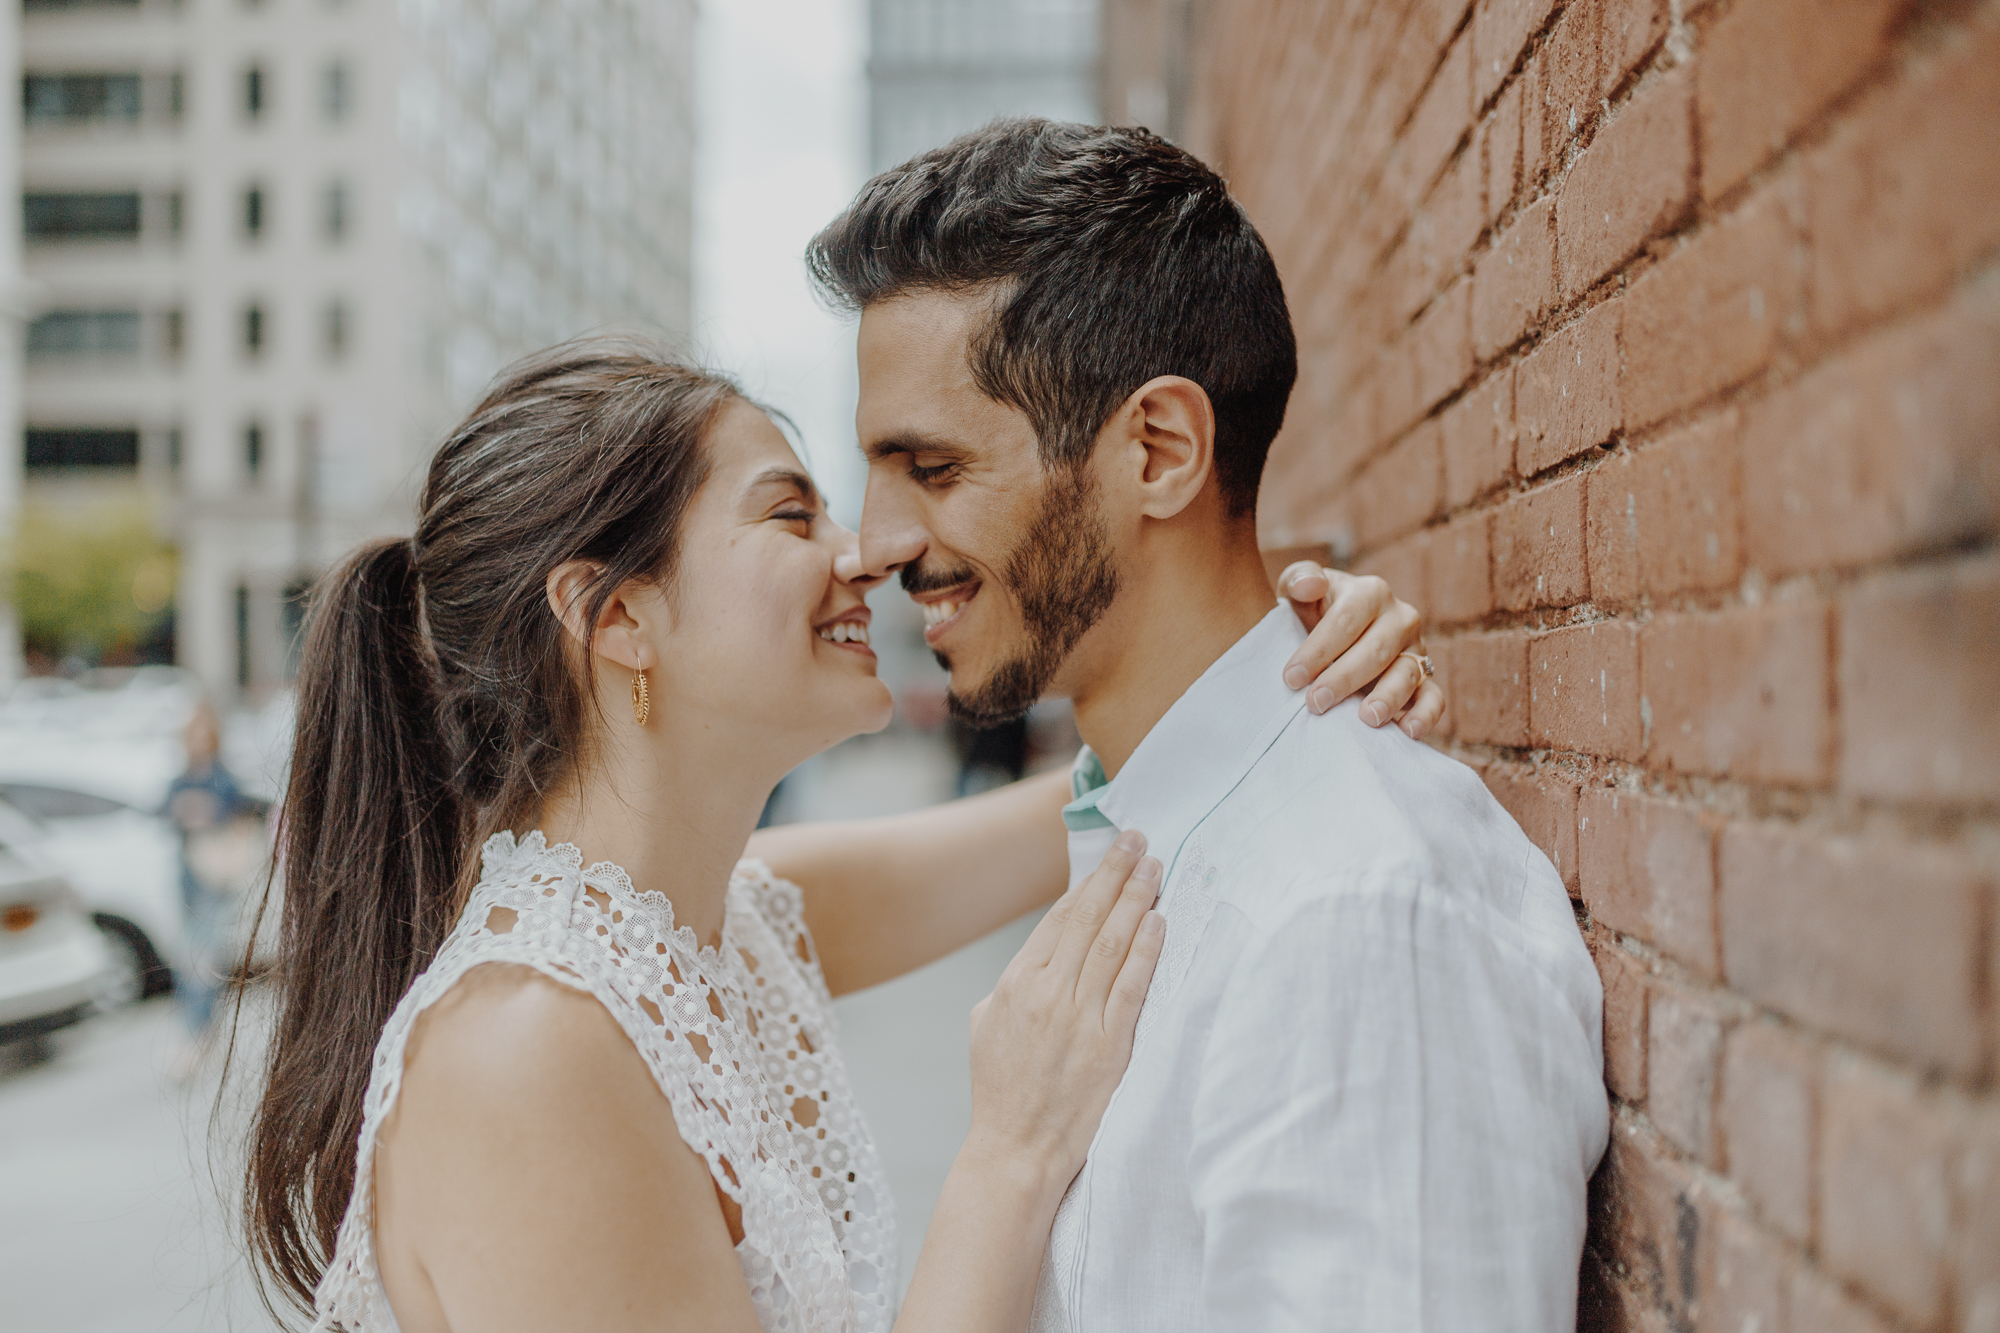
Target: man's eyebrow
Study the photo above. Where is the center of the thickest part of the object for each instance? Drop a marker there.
(786, 476)
(910, 442)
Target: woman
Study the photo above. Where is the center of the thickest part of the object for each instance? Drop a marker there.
(608, 1096)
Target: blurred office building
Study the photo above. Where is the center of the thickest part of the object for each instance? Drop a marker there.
(937, 68)
(275, 247)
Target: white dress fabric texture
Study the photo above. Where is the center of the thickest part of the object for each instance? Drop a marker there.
(1366, 1088)
(740, 1038)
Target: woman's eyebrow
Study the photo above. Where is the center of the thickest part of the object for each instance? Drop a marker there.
(785, 476)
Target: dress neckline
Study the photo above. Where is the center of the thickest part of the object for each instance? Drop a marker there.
(505, 857)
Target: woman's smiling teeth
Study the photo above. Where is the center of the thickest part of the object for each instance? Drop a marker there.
(846, 631)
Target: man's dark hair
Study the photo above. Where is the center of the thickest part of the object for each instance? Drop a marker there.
(1122, 258)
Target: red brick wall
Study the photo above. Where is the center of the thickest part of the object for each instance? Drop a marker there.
(1654, 348)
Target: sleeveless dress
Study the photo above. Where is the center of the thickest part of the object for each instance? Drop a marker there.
(741, 1040)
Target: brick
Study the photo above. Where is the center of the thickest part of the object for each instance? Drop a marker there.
(1646, 1219)
(1683, 1051)
(1919, 676)
(1883, 452)
(1500, 28)
(1489, 688)
(1405, 565)
(1664, 519)
(1976, 1258)
(1478, 439)
(1748, 1281)
(1451, 219)
(1400, 490)
(1435, 128)
(1538, 550)
(1566, 393)
(1633, 183)
(1875, 942)
(1628, 30)
(1768, 1118)
(1535, 161)
(1585, 690)
(1818, 1305)
(1571, 100)
(1440, 345)
(1625, 1020)
(1744, 693)
(1503, 154)
(1544, 805)
(1768, 68)
(1886, 1209)
(1513, 282)
(1647, 869)
(1910, 193)
(1461, 570)
(1711, 315)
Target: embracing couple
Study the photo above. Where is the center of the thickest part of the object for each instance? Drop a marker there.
(1309, 1038)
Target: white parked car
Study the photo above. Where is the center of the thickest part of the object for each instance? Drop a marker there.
(124, 864)
(54, 966)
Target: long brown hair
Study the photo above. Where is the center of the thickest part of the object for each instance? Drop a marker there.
(439, 700)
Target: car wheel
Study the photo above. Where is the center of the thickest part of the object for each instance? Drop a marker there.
(124, 983)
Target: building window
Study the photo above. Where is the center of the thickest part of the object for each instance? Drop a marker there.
(336, 91)
(67, 333)
(337, 207)
(174, 449)
(174, 334)
(242, 636)
(254, 92)
(335, 328)
(77, 99)
(80, 4)
(53, 448)
(253, 212)
(253, 329)
(253, 450)
(81, 217)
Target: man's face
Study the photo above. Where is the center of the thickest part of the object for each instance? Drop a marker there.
(1011, 563)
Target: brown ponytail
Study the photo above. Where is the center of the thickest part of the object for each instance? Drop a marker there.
(439, 700)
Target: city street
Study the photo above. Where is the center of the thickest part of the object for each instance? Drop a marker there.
(120, 1202)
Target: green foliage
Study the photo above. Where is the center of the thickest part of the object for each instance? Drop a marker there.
(91, 581)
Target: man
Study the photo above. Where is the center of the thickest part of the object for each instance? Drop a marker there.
(1366, 1091)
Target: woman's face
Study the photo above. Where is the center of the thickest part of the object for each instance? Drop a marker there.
(767, 639)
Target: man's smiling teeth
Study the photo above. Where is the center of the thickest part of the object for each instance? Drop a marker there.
(936, 613)
(847, 631)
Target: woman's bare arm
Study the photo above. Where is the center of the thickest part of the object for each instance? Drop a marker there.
(885, 896)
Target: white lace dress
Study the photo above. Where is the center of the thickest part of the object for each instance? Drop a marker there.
(741, 1040)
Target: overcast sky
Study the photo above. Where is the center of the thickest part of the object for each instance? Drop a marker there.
(781, 147)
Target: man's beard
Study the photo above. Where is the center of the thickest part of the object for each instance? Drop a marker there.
(1061, 576)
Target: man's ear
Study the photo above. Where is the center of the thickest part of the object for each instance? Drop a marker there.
(619, 633)
(1169, 429)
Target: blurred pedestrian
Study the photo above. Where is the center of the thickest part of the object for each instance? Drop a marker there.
(205, 805)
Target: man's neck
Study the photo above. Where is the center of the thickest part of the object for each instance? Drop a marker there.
(1161, 636)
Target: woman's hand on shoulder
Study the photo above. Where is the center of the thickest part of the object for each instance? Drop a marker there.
(1051, 1042)
(1360, 635)
(528, 1124)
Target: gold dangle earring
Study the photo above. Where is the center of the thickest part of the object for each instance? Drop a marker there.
(642, 702)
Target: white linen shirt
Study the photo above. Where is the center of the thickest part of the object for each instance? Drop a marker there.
(1366, 1091)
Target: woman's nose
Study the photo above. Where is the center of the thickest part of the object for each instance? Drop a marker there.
(847, 566)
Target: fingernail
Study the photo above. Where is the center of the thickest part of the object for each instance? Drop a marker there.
(1320, 700)
(1131, 840)
(1295, 677)
(1153, 924)
(1414, 729)
(1148, 867)
(1375, 714)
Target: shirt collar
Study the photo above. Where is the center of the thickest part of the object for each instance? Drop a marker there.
(1199, 751)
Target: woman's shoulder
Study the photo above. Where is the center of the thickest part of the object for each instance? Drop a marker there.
(505, 1028)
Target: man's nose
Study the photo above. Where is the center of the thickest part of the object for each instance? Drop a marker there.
(892, 534)
(847, 566)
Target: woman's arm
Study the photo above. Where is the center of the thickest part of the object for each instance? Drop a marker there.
(886, 896)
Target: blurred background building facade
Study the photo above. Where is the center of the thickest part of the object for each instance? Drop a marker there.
(273, 249)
